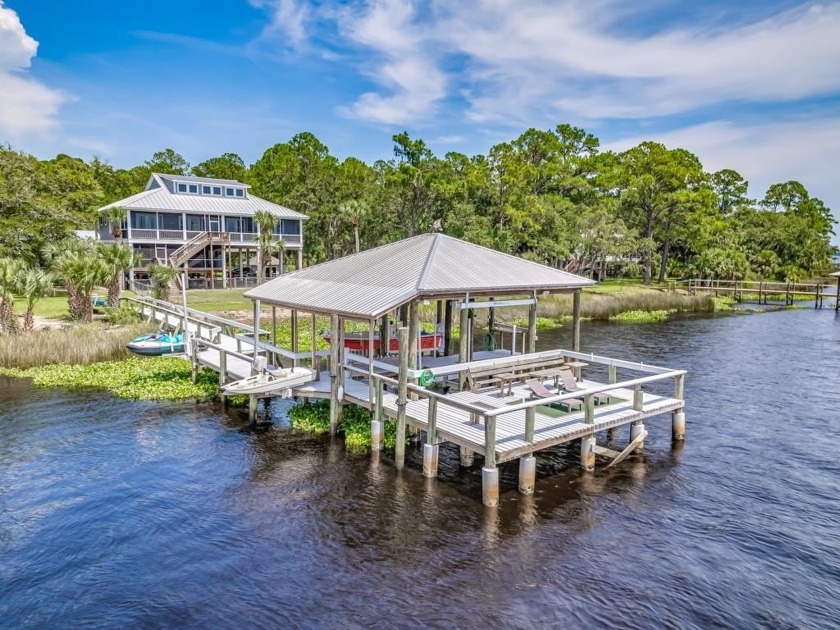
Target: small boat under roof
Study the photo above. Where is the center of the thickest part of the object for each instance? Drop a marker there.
(269, 381)
(359, 342)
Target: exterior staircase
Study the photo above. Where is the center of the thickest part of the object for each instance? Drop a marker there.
(195, 245)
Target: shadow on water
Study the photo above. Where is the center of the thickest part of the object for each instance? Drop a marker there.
(153, 514)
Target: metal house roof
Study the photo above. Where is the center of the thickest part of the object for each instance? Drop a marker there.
(159, 197)
(374, 282)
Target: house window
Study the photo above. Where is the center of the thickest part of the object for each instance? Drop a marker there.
(229, 192)
(290, 226)
(240, 192)
(182, 188)
(143, 220)
(195, 223)
(231, 224)
(217, 190)
(193, 188)
(170, 221)
(205, 190)
(248, 225)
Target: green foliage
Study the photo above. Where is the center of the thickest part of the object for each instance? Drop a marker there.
(641, 317)
(156, 378)
(354, 424)
(723, 303)
(122, 315)
(542, 322)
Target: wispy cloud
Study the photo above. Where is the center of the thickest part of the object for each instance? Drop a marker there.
(517, 60)
(402, 63)
(27, 107)
(288, 20)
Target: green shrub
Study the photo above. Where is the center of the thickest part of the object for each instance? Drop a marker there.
(641, 317)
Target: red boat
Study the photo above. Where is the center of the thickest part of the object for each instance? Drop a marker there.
(359, 342)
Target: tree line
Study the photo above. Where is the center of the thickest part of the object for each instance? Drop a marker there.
(549, 195)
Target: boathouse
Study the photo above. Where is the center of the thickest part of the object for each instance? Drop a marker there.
(500, 404)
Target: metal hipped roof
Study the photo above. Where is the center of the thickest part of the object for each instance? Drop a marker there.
(374, 282)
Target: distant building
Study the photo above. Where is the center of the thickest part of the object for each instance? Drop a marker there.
(204, 222)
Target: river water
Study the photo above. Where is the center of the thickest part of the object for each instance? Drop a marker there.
(117, 513)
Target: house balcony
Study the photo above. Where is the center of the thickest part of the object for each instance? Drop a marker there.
(135, 234)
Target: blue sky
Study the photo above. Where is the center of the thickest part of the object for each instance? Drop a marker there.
(753, 86)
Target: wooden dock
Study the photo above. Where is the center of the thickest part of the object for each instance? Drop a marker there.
(765, 292)
(483, 405)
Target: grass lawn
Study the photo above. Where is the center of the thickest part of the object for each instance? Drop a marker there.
(216, 300)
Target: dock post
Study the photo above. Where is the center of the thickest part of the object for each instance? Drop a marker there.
(222, 368)
(490, 486)
(587, 444)
(335, 346)
(194, 359)
(316, 360)
(463, 346)
(252, 408)
(636, 429)
(528, 463)
(447, 328)
(837, 296)
(377, 424)
(678, 416)
(431, 448)
(402, 400)
(414, 340)
(532, 327)
(467, 457)
(489, 473)
(576, 321)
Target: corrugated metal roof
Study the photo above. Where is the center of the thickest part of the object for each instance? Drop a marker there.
(199, 180)
(378, 280)
(162, 199)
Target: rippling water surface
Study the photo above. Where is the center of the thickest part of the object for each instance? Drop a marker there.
(117, 513)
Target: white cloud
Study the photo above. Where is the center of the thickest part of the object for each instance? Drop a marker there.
(527, 59)
(288, 18)
(803, 150)
(405, 64)
(27, 107)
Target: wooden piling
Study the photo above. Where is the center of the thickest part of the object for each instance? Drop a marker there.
(402, 399)
(316, 360)
(532, 328)
(222, 368)
(377, 425)
(447, 325)
(294, 324)
(576, 321)
(431, 448)
(413, 336)
(252, 408)
(463, 346)
(335, 368)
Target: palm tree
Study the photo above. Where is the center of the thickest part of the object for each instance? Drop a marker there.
(64, 257)
(32, 285)
(116, 216)
(354, 212)
(265, 222)
(163, 276)
(120, 259)
(9, 269)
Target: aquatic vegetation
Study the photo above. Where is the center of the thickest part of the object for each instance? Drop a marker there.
(159, 378)
(354, 424)
(641, 317)
(86, 344)
(542, 322)
(722, 303)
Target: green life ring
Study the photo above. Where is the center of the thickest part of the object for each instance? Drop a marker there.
(426, 378)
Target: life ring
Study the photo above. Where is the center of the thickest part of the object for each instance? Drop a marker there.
(426, 378)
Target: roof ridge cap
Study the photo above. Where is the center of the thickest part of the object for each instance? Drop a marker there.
(425, 271)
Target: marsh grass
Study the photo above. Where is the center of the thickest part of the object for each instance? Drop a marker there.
(79, 345)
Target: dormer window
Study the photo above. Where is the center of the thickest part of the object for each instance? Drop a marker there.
(193, 189)
(217, 190)
(182, 188)
(205, 190)
(229, 192)
(240, 192)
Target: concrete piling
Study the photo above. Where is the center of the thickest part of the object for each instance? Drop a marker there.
(527, 474)
(635, 430)
(678, 425)
(490, 486)
(430, 460)
(587, 453)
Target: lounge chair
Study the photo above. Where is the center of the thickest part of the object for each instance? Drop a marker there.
(570, 385)
(538, 390)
